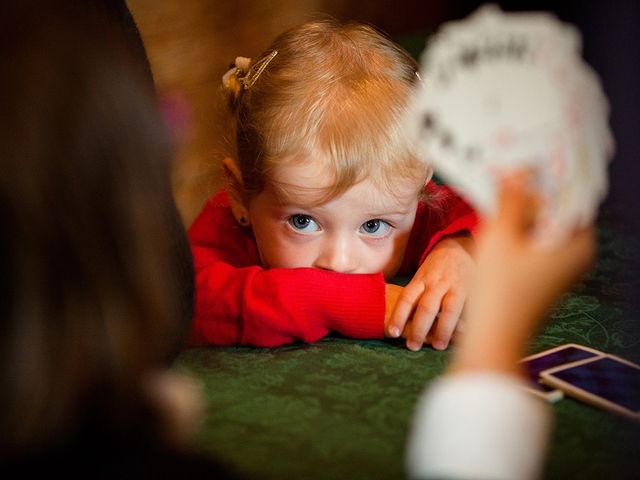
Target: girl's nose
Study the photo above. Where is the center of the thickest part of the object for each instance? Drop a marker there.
(337, 255)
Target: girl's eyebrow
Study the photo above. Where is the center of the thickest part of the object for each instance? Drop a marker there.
(290, 202)
(389, 214)
(287, 204)
(297, 197)
(310, 199)
(393, 208)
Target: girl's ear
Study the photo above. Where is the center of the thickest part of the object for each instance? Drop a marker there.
(234, 185)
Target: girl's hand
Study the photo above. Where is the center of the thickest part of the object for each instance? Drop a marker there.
(439, 288)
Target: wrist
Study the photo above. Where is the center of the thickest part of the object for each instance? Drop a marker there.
(495, 346)
(503, 362)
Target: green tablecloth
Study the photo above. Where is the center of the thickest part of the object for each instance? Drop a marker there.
(341, 408)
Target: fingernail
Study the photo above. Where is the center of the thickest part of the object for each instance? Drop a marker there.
(413, 346)
(394, 332)
(439, 345)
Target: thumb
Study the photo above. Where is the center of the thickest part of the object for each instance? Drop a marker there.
(517, 205)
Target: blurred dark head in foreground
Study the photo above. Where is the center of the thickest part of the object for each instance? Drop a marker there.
(91, 248)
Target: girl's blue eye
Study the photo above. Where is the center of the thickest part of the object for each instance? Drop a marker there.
(375, 227)
(303, 223)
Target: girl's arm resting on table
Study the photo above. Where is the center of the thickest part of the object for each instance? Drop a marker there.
(252, 306)
(239, 303)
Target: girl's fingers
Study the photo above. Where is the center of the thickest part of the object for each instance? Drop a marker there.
(459, 330)
(404, 308)
(447, 321)
(423, 319)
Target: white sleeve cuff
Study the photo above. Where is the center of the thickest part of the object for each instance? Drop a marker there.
(478, 426)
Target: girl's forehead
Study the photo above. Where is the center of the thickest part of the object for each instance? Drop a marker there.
(305, 174)
(307, 184)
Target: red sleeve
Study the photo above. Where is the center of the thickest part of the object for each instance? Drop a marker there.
(441, 213)
(238, 302)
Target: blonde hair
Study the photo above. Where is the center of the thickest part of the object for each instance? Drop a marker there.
(332, 91)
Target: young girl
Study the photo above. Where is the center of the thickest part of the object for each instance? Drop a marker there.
(326, 199)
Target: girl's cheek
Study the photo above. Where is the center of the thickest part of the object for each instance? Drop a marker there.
(283, 249)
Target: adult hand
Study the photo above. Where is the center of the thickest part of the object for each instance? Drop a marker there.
(517, 280)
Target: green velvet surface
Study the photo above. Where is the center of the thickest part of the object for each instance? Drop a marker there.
(341, 408)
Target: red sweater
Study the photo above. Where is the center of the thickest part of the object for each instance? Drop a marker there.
(240, 303)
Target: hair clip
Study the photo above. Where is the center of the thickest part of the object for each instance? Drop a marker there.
(256, 70)
(239, 67)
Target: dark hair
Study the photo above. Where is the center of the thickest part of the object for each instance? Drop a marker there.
(93, 255)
